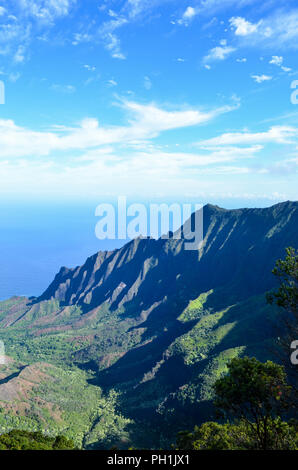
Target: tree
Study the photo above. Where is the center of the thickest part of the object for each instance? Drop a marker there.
(26, 440)
(256, 394)
(62, 443)
(238, 436)
(208, 436)
(286, 297)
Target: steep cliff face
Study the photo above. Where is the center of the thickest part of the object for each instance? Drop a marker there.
(239, 248)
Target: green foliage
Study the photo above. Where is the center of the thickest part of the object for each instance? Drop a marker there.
(255, 395)
(286, 271)
(84, 350)
(195, 308)
(238, 436)
(63, 402)
(24, 440)
(286, 297)
(254, 392)
(208, 436)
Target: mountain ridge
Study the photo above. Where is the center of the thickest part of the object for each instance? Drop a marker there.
(81, 284)
(152, 324)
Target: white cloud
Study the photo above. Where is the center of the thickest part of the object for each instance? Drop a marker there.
(243, 60)
(23, 21)
(130, 12)
(79, 38)
(282, 29)
(112, 82)
(112, 13)
(276, 60)
(19, 56)
(135, 7)
(190, 12)
(276, 134)
(261, 78)
(144, 122)
(242, 27)
(46, 10)
(151, 171)
(219, 53)
(90, 68)
(278, 30)
(187, 16)
(113, 45)
(156, 120)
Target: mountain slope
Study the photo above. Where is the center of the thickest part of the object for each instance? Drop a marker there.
(238, 247)
(158, 322)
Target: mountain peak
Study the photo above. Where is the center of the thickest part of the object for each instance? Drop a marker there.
(237, 244)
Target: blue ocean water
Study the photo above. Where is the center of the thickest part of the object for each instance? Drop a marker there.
(36, 240)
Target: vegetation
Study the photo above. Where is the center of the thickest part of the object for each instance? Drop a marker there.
(24, 440)
(56, 400)
(73, 400)
(254, 396)
(108, 377)
(238, 436)
(286, 297)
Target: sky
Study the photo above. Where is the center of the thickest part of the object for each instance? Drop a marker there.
(151, 99)
(157, 98)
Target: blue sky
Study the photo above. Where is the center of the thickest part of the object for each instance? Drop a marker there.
(158, 98)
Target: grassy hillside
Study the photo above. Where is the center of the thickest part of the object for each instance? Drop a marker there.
(100, 381)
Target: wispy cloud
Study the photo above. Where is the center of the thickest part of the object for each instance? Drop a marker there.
(144, 122)
(276, 134)
(242, 27)
(132, 11)
(218, 53)
(123, 154)
(144, 170)
(112, 82)
(23, 20)
(187, 16)
(79, 38)
(261, 78)
(90, 68)
(19, 56)
(44, 10)
(279, 30)
(278, 61)
(113, 45)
